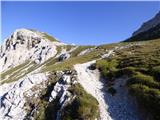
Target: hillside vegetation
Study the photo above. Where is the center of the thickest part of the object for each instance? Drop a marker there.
(141, 64)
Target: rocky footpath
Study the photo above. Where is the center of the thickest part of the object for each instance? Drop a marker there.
(117, 107)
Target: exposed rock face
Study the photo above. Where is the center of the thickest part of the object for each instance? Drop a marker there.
(61, 91)
(64, 56)
(149, 24)
(24, 45)
(13, 99)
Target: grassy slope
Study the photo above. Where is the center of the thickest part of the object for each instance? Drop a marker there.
(142, 66)
(52, 64)
(50, 37)
(17, 72)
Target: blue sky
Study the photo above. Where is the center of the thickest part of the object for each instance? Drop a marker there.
(82, 23)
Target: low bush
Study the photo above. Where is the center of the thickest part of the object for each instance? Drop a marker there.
(107, 67)
(148, 98)
(129, 71)
(112, 91)
(140, 78)
(156, 72)
(84, 106)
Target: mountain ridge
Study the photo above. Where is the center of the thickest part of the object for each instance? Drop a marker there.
(148, 24)
(148, 30)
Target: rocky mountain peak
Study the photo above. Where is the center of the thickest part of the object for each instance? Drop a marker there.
(24, 45)
(22, 37)
(149, 24)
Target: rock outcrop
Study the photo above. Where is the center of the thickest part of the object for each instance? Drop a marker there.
(13, 96)
(26, 45)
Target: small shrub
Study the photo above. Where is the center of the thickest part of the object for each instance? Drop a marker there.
(140, 78)
(40, 114)
(129, 71)
(156, 72)
(112, 90)
(84, 106)
(107, 67)
(148, 98)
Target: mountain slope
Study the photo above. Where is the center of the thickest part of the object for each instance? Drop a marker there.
(148, 31)
(152, 33)
(78, 82)
(148, 25)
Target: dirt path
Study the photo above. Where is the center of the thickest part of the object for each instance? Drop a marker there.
(118, 107)
(90, 81)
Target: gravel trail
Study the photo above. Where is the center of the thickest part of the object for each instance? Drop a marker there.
(117, 107)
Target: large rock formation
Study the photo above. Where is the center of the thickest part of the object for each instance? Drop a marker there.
(26, 45)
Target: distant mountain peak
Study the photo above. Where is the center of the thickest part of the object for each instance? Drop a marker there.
(148, 31)
(148, 25)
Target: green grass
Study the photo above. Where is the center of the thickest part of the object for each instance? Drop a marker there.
(107, 46)
(11, 70)
(156, 72)
(68, 64)
(107, 67)
(19, 71)
(140, 63)
(147, 80)
(79, 49)
(49, 37)
(68, 47)
(59, 49)
(148, 98)
(84, 106)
